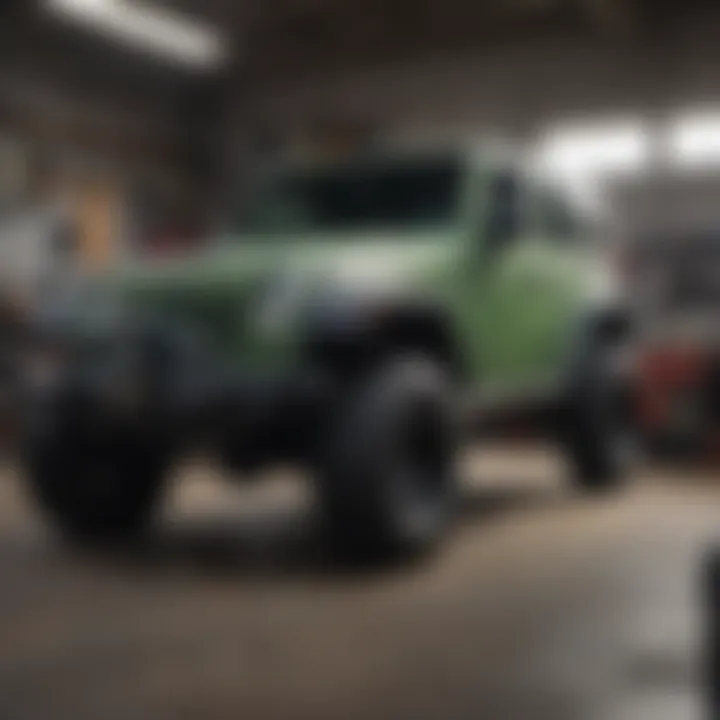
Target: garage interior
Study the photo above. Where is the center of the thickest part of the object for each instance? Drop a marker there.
(143, 124)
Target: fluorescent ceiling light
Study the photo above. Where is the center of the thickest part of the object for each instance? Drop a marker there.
(594, 148)
(157, 31)
(695, 138)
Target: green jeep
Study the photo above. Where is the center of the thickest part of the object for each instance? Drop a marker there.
(357, 323)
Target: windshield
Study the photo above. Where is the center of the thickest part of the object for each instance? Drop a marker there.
(411, 194)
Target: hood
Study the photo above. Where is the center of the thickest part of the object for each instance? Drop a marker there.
(381, 262)
(256, 292)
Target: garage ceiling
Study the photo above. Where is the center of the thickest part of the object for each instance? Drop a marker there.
(292, 34)
(278, 37)
(270, 39)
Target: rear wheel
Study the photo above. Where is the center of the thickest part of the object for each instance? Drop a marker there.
(598, 424)
(387, 473)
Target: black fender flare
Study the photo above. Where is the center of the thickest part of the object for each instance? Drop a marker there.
(604, 328)
(354, 335)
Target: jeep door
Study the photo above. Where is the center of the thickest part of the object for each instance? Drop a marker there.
(518, 289)
(565, 274)
(494, 287)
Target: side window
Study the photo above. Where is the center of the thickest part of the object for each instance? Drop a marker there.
(504, 216)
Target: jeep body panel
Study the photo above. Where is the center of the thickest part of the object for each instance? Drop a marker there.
(512, 302)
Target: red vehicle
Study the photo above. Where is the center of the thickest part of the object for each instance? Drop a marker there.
(676, 286)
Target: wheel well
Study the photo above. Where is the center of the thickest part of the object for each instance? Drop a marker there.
(419, 333)
(613, 326)
(348, 347)
(605, 330)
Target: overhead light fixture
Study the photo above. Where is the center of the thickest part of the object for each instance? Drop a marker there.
(157, 31)
(595, 147)
(695, 138)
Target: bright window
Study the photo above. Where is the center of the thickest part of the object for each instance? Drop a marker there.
(695, 138)
(592, 148)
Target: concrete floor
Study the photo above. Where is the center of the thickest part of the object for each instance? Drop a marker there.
(541, 606)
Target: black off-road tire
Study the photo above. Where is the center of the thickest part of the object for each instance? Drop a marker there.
(387, 480)
(598, 424)
(94, 493)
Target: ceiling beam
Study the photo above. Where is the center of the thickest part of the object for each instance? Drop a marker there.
(617, 18)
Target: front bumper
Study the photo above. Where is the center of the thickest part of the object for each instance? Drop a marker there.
(246, 419)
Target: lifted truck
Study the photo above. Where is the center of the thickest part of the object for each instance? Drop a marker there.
(341, 326)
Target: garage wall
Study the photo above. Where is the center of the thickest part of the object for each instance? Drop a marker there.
(668, 204)
(514, 89)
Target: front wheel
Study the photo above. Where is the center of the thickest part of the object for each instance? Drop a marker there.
(94, 491)
(387, 474)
